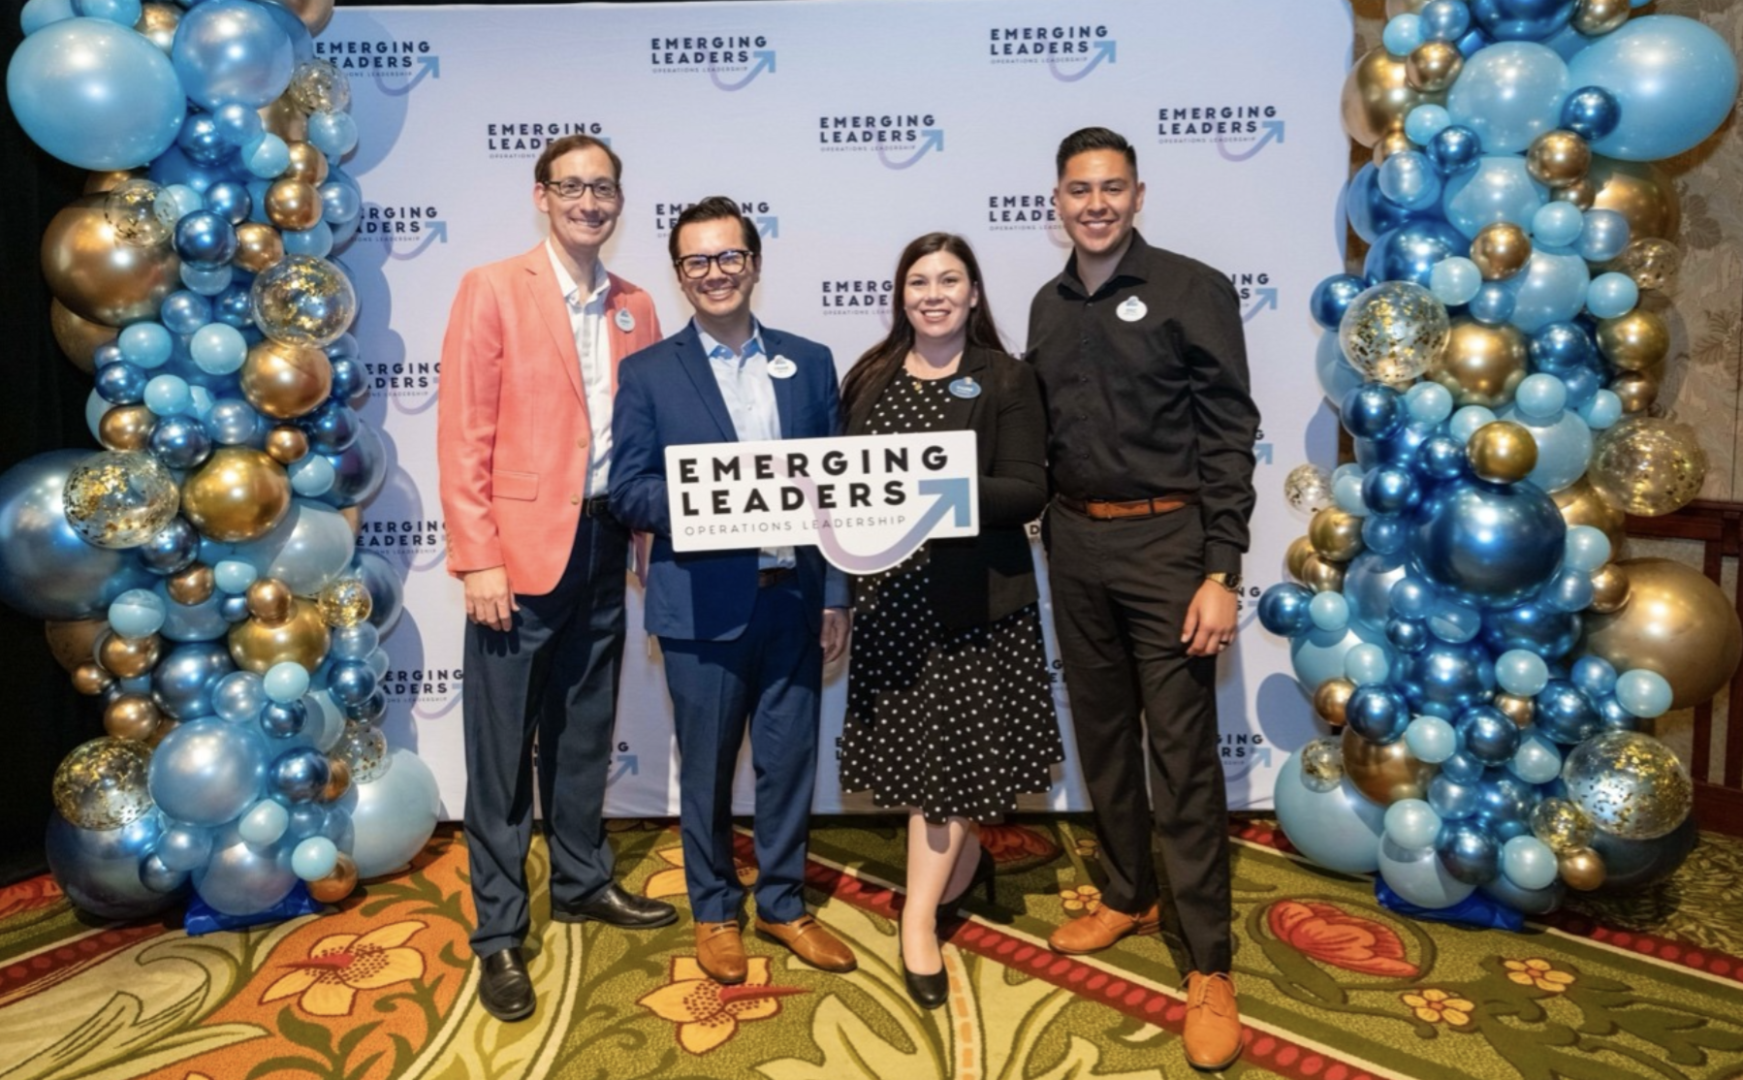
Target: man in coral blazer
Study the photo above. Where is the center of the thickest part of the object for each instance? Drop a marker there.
(529, 370)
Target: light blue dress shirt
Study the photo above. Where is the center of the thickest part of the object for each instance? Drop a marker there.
(749, 390)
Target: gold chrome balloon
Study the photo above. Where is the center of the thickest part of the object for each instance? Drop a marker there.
(338, 884)
(99, 276)
(1322, 576)
(1558, 158)
(338, 780)
(345, 602)
(1378, 96)
(1295, 558)
(164, 727)
(1332, 700)
(1595, 17)
(1648, 466)
(315, 14)
(102, 784)
(132, 716)
(1386, 772)
(1636, 341)
(1395, 8)
(1434, 66)
(1500, 250)
(1582, 869)
(1651, 262)
(1581, 193)
(1394, 141)
(258, 246)
(285, 120)
(269, 601)
(126, 427)
(192, 586)
(101, 183)
(1502, 452)
(90, 679)
(238, 494)
(1641, 192)
(293, 205)
(74, 641)
(301, 639)
(1676, 622)
(1481, 365)
(1580, 504)
(287, 445)
(306, 164)
(158, 23)
(78, 338)
(1610, 589)
(1336, 535)
(1520, 710)
(1636, 390)
(284, 380)
(129, 658)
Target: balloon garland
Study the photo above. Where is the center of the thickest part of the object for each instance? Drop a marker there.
(199, 575)
(1460, 611)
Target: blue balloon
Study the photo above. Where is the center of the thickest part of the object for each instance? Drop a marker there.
(1536, 761)
(1330, 299)
(298, 775)
(1442, 458)
(1454, 149)
(1644, 693)
(1329, 611)
(266, 156)
(1452, 799)
(1674, 80)
(205, 239)
(167, 395)
(1368, 583)
(1593, 675)
(1378, 713)
(1446, 678)
(1368, 665)
(1551, 289)
(1445, 20)
(1469, 852)
(315, 857)
(1521, 672)
(37, 14)
(1603, 236)
(1571, 591)
(171, 549)
(1402, 34)
(98, 869)
(230, 200)
(146, 344)
(1413, 597)
(1410, 252)
(184, 312)
(232, 51)
(1494, 303)
(121, 383)
(47, 570)
(394, 814)
(1540, 397)
(1528, 863)
(357, 642)
(1338, 829)
(1371, 214)
(184, 847)
(1391, 489)
(1557, 225)
(1510, 93)
(1591, 112)
(1283, 610)
(331, 428)
(1454, 282)
(203, 621)
(207, 772)
(386, 589)
(1614, 716)
(1421, 126)
(95, 94)
(264, 823)
(1371, 411)
(1499, 189)
(1565, 714)
(361, 469)
(1487, 735)
(136, 613)
(286, 682)
(1488, 544)
(202, 141)
(1346, 492)
(1561, 346)
(1564, 447)
(207, 281)
(1419, 878)
(1543, 901)
(333, 133)
(186, 180)
(231, 307)
(1521, 20)
(341, 199)
(1407, 635)
(351, 683)
(182, 683)
(1602, 411)
(349, 380)
(1412, 824)
(233, 422)
(180, 442)
(1399, 448)
(1454, 622)
(1318, 655)
(238, 697)
(1635, 864)
(241, 879)
(1410, 180)
(281, 720)
(370, 711)
(1532, 627)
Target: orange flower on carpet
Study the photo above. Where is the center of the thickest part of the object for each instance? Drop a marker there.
(1084, 898)
(671, 882)
(1439, 1007)
(1010, 845)
(707, 1013)
(342, 964)
(1539, 973)
(1331, 935)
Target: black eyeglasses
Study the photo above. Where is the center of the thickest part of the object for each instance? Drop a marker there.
(570, 189)
(731, 262)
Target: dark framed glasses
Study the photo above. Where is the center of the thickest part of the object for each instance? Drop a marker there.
(732, 262)
(569, 189)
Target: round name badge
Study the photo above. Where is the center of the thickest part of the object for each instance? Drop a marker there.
(625, 321)
(1132, 309)
(782, 368)
(965, 387)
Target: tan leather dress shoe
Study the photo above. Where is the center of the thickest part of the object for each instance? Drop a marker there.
(1213, 1026)
(811, 942)
(1101, 928)
(720, 952)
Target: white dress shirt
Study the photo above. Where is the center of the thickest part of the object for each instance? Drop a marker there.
(593, 344)
(749, 390)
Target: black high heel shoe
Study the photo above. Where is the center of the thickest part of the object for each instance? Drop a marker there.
(984, 869)
(928, 991)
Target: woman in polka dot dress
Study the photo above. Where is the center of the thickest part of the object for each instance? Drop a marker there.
(950, 710)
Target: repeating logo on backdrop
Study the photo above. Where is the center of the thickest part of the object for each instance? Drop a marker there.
(509, 137)
(419, 544)
(407, 228)
(857, 295)
(397, 65)
(1069, 51)
(1239, 130)
(731, 61)
(760, 211)
(900, 140)
(1242, 752)
(429, 692)
(1256, 290)
(1020, 211)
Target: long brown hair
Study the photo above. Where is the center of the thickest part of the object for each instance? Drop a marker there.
(871, 369)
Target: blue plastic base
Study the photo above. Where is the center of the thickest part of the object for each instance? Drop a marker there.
(203, 918)
(1475, 910)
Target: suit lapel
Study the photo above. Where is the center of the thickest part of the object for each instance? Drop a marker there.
(696, 365)
(547, 298)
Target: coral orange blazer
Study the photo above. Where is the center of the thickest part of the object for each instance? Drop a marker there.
(512, 431)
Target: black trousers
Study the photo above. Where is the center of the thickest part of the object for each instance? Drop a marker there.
(1120, 593)
(554, 673)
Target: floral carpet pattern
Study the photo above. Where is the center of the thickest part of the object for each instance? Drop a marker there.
(1333, 987)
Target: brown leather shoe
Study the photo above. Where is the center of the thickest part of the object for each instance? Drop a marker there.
(1213, 1026)
(1101, 928)
(720, 952)
(811, 941)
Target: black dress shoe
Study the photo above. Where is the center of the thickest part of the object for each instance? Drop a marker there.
(505, 989)
(928, 991)
(616, 907)
(983, 879)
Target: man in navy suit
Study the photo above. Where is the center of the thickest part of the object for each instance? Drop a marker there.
(745, 633)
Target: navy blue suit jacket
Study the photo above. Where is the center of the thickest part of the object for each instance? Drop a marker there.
(667, 396)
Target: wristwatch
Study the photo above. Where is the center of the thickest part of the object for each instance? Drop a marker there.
(1231, 582)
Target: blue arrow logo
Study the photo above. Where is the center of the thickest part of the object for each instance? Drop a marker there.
(627, 764)
(933, 140)
(1262, 453)
(436, 233)
(765, 62)
(1267, 298)
(1104, 50)
(427, 65)
(952, 498)
(1273, 130)
(769, 227)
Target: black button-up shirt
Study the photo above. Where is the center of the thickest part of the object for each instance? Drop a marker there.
(1147, 390)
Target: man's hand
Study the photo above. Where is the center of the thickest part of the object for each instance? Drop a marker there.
(489, 601)
(1210, 620)
(836, 624)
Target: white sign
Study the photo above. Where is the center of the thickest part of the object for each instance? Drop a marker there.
(868, 501)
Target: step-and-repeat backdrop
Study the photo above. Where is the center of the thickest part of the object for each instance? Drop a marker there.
(844, 128)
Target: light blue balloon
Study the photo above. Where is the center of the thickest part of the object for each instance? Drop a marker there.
(218, 349)
(238, 697)
(312, 475)
(1528, 862)
(1521, 672)
(1403, 34)
(186, 200)
(1454, 281)
(1429, 403)
(1318, 655)
(203, 621)
(1329, 611)
(1336, 376)
(1368, 582)
(95, 94)
(147, 344)
(317, 241)
(1564, 448)
(207, 772)
(1367, 665)
(241, 879)
(1419, 877)
(1675, 79)
(1431, 739)
(1498, 189)
(1412, 824)
(394, 814)
(232, 422)
(1410, 180)
(354, 642)
(1540, 396)
(1425, 122)
(125, 12)
(1587, 548)
(37, 14)
(333, 134)
(1551, 289)
(98, 869)
(136, 613)
(168, 395)
(1510, 93)
(264, 823)
(1612, 295)
(266, 156)
(1603, 235)
(1602, 411)
(234, 575)
(1557, 224)
(184, 847)
(307, 550)
(1445, 20)
(1537, 761)
(207, 281)
(286, 682)
(232, 51)
(314, 858)
(1338, 829)
(1465, 422)
(1646, 694)
(1346, 491)
(47, 570)
(1494, 303)
(1454, 622)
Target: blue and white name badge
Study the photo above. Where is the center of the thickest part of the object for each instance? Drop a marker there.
(965, 387)
(782, 368)
(625, 321)
(1131, 309)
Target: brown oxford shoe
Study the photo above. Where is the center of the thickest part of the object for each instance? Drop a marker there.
(1101, 928)
(720, 952)
(811, 942)
(1213, 1026)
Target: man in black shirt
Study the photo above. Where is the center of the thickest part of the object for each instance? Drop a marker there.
(1144, 369)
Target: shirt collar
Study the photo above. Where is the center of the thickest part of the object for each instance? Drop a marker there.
(1131, 266)
(571, 291)
(714, 350)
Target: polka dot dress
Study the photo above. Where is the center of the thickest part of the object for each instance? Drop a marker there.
(952, 723)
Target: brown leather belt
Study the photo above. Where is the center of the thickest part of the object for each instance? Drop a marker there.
(772, 576)
(1112, 510)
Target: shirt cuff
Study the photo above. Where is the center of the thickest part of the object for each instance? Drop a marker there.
(1222, 559)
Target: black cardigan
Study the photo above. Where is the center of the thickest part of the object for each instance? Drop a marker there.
(980, 579)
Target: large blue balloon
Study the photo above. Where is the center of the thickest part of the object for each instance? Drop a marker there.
(208, 771)
(1635, 864)
(1551, 289)
(1564, 447)
(1521, 20)
(1499, 189)
(1489, 544)
(394, 814)
(1370, 212)
(99, 868)
(1674, 79)
(1368, 582)
(242, 879)
(1338, 829)
(1411, 251)
(182, 682)
(1419, 877)
(95, 94)
(360, 469)
(1534, 627)
(1510, 93)
(1318, 655)
(47, 571)
(386, 589)
(306, 551)
(232, 50)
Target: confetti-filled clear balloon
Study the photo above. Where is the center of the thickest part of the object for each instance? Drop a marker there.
(120, 499)
(303, 300)
(363, 749)
(140, 213)
(319, 86)
(1629, 784)
(1650, 261)
(1561, 825)
(344, 602)
(1648, 466)
(1394, 331)
(1308, 488)
(1322, 764)
(102, 784)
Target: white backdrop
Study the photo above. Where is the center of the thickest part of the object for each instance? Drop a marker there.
(846, 128)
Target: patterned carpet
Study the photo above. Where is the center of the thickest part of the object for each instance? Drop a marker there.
(1332, 986)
